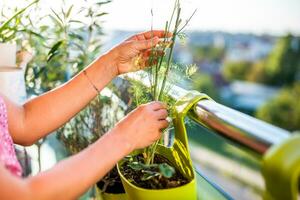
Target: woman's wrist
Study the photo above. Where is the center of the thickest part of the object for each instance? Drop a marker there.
(109, 60)
(100, 72)
(121, 141)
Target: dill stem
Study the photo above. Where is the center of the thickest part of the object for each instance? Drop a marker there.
(158, 65)
(170, 54)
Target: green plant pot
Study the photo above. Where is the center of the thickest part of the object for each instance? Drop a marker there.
(178, 154)
(109, 196)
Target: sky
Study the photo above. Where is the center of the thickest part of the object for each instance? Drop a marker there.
(275, 17)
(256, 16)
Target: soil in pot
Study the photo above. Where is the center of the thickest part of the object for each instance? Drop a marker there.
(137, 177)
(111, 183)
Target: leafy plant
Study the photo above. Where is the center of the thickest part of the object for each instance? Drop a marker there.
(161, 67)
(10, 27)
(68, 40)
(284, 109)
(88, 126)
(159, 73)
(91, 123)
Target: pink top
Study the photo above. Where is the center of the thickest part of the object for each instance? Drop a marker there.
(7, 151)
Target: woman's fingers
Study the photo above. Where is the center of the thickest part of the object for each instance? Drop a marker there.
(154, 53)
(156, 105)
(146, 44)
(149, 34)
(163, 124)
(155, 33)
(161, 114)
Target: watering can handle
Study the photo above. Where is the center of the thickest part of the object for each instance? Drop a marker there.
(281, 170)
(181, 108)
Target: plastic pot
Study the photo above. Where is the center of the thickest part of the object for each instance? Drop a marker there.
(109, 196)
(178, 154)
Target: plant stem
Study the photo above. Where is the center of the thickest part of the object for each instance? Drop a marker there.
(158, 64)
(187, 21)
(171, 53)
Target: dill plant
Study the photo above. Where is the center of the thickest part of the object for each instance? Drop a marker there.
(162, 54)
(161, 67)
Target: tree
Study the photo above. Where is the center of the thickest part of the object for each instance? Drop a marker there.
(204, 83)
(237, 70)
(284, 109)
(207, 53)
(283, 64)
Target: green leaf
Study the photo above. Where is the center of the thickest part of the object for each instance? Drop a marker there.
(136, 165)
(57, 21)
(101, 14)
(53, 50)
(32, 33)
(6, 23)
(69, 11)
(76, 21)
(75, 35)
(103, 2)
(166, 170)
(58, 18)
(149, 175)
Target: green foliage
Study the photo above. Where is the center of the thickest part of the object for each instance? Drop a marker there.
(280, 68)
(10, 27)
(283, 64)
(166, 170)
(141, 94)
(205, 84)
(159, 72)
(151, 170)
(91, 123)
(258, 72)
(67, 41)
(283, 110)
(207, 53)
(237, 70)
(88, 126)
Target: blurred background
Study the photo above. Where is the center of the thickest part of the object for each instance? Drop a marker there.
(247, 55)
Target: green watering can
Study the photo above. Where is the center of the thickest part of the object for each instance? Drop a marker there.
(178, 155)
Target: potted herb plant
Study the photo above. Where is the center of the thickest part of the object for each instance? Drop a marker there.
(8, 32)
(160, 172)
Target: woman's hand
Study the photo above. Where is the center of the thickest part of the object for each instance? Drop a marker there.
(143, 126)
(133, 54)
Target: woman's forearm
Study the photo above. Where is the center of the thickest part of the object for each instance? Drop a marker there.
(71, 177)
(75, 175)
(46, 113)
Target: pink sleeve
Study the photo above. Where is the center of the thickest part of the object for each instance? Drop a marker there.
(7, 151)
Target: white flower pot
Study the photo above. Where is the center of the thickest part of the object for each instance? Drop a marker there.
(12, 84)
(8, 55)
